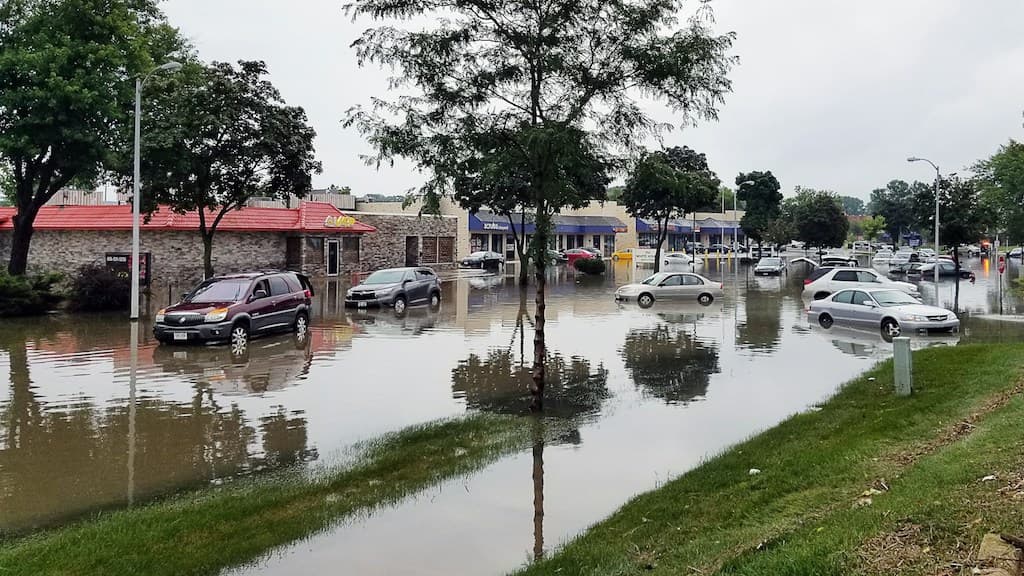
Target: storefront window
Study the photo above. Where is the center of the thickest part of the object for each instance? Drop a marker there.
(609, 244)
(478, 242)
(597, 241)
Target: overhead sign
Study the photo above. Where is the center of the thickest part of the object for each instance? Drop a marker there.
(120, 264)
(495, 226)
(339, 221)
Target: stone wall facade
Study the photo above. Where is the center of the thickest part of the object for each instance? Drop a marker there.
(386, 248)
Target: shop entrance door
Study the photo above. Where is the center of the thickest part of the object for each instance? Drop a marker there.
(412, 250)
(333, 257)
(496, 240)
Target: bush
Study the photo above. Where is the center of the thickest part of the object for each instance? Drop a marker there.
(28, 295)
(592, 266)
(96, 289)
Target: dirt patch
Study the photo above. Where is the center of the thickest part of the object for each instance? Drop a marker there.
(902, 550)
(960, 429)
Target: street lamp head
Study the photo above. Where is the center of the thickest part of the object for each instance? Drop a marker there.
(913, 159)
(171, 66)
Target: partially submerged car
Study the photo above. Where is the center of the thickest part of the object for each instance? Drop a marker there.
(889, 310)
(769, 267)
(396, 288)
(670, 286)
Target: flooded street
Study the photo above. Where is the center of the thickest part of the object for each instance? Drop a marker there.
(640, 395)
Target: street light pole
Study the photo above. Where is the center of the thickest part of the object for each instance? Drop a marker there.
(140, 81)
(937, 176)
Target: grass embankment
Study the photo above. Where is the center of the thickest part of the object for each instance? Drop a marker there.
(204, 532)
(868, 484)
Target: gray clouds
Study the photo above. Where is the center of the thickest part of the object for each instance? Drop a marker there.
(828, 94)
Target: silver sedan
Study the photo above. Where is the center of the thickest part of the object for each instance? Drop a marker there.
(892, 311)
(670, 286)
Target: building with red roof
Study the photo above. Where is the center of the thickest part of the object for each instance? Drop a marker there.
(315, 238)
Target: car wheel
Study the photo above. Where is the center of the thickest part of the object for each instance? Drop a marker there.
(821, 295)
(825, 321)
(645, 300)
(890, 328)
(301, 326)
(705, 299)
(435, 300)
(399, 305)
(239, 338)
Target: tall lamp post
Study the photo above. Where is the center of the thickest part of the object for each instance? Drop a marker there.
(140, 81)
(937, 176)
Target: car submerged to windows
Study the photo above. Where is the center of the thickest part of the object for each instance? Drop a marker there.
(823, 282)
(234, 307)
(396, 288)
(670, 286)
(769, 266)
(483, 260)
(891, 311)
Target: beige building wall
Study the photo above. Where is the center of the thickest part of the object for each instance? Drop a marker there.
(448, 208)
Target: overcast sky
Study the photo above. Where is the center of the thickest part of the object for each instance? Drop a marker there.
(828, 94)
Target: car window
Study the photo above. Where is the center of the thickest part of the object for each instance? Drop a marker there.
(844, 297)
(845, 276)
(673, 281)
(947, 266)
(861, 298)
(385, 277)
(293, 282)
(219, 291)
(262, 285)
(864, 276)
(424, 275)
(278, 287)
(691, 280)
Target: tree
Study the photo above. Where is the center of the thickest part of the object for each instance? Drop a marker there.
(669, 183)
(819, 219)
(1001, 184)
(553, 85)
(899, 204)
(723, 201)
(853, 206)
(960, 221)
(66, 93)
(343, 190)
(7, 186)
(614, 193)
(218, 136)
(763, 199)
(873, 227)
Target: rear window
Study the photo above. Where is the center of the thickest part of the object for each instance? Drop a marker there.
(278, 287)
(818, 273)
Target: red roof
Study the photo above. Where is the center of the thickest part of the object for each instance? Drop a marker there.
(308, 217)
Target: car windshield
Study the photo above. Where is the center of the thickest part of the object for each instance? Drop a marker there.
(655, 279)
(385, 277)
(219, 291)
(893, 298)
(478, 254)
(770, 261)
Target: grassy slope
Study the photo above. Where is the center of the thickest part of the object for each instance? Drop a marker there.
(798, 515)
(205, 532)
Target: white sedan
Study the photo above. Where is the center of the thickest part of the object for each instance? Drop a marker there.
(679, 262)
(670, 286)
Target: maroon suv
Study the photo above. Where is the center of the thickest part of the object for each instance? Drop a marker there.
(233, 308)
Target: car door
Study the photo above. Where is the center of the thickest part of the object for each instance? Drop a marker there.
(261, 307)
(692, 286)
(282, 304)
(671, 287)
(842, 279)
(839, 307)
(425, 281)
(863, 310)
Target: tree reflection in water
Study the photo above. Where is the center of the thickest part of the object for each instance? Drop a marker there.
(668, 363)
(763, 325)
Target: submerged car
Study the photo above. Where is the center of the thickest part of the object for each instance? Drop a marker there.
(670, 286)
(825, 281)
(885, 309)
(679, 262)
(624, 254)
(234, 307)
(574, 254)
(483, 260)
(397, 288)
(769, 266)
(947, 268)
(883, 256)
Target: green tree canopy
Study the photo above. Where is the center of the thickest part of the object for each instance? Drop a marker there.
(760, 191)
(900, 204)
(66, 91)
(853, 206)
(873, 227)
(553, 85)
(219, 135)
(818, 218)
(668, 183)
(1001, 183)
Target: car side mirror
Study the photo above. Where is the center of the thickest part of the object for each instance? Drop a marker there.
(870, 304)
(184, 295)
(406, 281)
(258, 294)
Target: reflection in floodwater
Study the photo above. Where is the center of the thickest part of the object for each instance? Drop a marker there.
(762, 327)
(668, 363)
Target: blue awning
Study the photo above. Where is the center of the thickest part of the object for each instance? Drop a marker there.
(485, 221)
(675, 226)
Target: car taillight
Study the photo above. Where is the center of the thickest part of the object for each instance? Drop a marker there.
(807, 281)
(721, 286)
(307, 293)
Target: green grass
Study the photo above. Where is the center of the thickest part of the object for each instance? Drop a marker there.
(206, 531)
(799, 515)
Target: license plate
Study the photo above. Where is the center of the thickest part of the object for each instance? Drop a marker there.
(181, 335)
(361, 305)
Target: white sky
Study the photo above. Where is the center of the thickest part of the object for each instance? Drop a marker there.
(828, 94)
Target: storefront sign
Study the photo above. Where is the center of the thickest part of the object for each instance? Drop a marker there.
(495, 226)
(340, 221)
(618, 229)
(120, 264)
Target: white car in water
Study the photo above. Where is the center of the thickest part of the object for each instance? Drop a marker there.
(883, 256)
(824, 282)
(670, 286)
(679, 262)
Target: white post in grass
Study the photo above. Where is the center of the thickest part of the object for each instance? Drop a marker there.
(903, 363)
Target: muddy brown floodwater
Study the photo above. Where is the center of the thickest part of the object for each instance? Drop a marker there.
(643, 395)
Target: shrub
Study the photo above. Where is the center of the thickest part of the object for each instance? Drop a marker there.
(592, 266)
(28, 295)
(96, 289)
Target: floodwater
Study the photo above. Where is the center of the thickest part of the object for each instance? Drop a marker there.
(642, 396)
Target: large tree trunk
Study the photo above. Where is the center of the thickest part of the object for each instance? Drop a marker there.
(522, 249)
(21, 240)
(662, 236)
(538, 493)
(207, 254)
(956, 262)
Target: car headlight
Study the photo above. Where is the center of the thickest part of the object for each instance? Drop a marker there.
(915, 317)
(216, 315)
(348, 293)
(160, 315)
